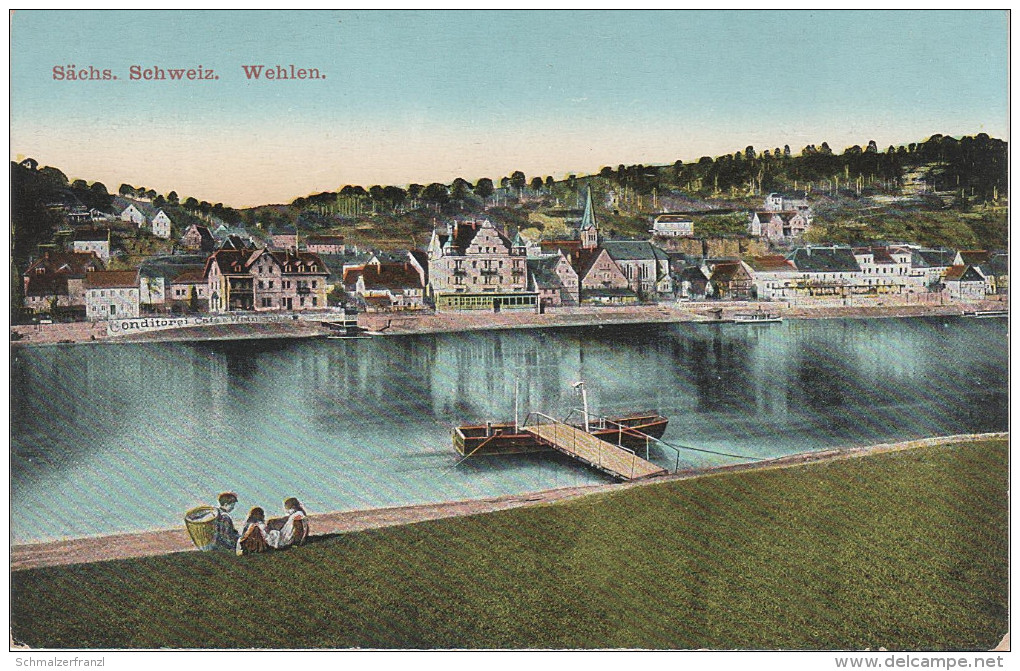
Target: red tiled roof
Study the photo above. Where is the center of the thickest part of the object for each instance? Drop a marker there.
(771, 263)
(111, 279)
(71, 264)
(726, 272)
(190, 276)
(392, 276)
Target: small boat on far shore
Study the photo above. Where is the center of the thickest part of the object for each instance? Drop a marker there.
(756, 317)
(986, 314)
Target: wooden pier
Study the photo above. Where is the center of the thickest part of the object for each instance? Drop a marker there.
(615, 460)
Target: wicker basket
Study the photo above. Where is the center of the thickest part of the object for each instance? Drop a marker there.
(201, 525)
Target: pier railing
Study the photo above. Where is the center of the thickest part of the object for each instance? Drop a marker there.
(602, 422)
(584, 445)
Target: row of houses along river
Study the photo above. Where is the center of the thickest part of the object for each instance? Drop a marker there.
(124, 438)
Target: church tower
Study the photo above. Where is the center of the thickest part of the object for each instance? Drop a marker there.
(589, 227)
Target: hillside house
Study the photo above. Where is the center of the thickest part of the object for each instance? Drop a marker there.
(198, 238)
(284, 237)
(111, 294)
(672, 226)
(778, 225)
(94, 240)
(160, 225)
(325, 244)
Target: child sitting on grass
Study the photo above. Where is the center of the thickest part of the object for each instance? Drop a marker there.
(253, 536)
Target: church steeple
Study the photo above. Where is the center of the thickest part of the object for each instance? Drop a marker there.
(589, 227)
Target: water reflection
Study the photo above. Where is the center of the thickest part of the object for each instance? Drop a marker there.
(133, 435)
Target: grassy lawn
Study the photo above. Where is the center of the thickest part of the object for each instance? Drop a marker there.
(905, 550)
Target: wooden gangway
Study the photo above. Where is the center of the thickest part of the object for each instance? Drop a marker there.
(615, 460)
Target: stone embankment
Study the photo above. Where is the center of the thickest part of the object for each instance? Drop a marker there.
(398, 323)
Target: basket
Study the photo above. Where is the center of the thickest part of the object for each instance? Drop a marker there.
(201, 525)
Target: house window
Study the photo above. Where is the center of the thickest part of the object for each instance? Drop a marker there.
(270, 284)
(315, 301)
(314, 284)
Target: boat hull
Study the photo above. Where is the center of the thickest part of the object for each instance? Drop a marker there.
(503, 438)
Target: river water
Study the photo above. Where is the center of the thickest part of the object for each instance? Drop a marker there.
(122, 438)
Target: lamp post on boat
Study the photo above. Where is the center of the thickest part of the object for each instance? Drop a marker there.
(584, 403)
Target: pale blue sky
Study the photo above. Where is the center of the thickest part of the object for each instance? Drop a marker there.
(422, 96)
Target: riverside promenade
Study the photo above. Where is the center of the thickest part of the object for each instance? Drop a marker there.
(402, 323)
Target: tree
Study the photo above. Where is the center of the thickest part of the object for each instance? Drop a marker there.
(79, 184)
(159, 201)
(461, 188)
(536, 183)
(749, 153)
(150, 193)
(172, 198)
(484, 187)
(376, 193)
(786, 151)
(549, 182)
(54, 176)
(518, 180)
(414, 191)
(606, 172)
(99, 189)
(126, 190)
(436, 193)
(193, 300)
(872, 147)
(825, 148)
(190, 203)
(504, 183)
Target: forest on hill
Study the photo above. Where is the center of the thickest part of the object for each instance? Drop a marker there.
(942, 191)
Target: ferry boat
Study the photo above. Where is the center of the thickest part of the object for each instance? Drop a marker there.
(986, 314)
(508, 438)
(757, 317)
(630, 430)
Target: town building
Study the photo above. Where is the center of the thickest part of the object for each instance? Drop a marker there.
(927, 266)
(555, 281)
(774, 277)
(732, 280)
(827, 271)
(56, 282)
(387, 286)
(602, 280)
(189, 291)
(645, 266)
(884, 270)
(966, 282)
(264, 280)
(778, 225)
(111, 294)
(475, 266)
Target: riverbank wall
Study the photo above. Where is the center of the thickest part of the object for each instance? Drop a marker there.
(151, 543)
(389, 324)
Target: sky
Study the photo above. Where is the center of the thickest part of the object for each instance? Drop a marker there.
(424, 96)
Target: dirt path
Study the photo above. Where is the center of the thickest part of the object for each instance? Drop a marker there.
(145, 544)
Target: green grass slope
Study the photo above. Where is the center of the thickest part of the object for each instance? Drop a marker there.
(904, 550)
